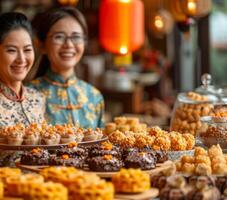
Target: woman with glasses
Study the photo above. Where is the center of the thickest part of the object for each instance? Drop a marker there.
(62, 36)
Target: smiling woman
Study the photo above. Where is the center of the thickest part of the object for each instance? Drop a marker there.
(62, 36)
(18, 104)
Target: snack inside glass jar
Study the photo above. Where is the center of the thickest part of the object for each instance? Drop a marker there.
(188, 109)
(190, 106)
(213, 131)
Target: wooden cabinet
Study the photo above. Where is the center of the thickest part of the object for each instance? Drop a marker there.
(131, 100)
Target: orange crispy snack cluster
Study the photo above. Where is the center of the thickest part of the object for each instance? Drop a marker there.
(80, 184)
(58, 174)
(1, 190)
(32, 186)
(153, 137)
(187, 116)
(62, 183)
(220, 114)
(47, 191)
(196, 97)
(131, 181)
(6, 172)
(162, 143)
(19, 186)
(204, 162)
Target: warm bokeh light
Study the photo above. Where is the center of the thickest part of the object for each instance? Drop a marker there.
(123, 50)
(191, 7)
(68, 2)
(125, 1)
(161, 23)
(158, 22)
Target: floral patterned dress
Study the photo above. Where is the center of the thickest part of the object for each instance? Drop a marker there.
(71, 101)
(28, 108)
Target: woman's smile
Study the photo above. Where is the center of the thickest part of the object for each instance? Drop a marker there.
(67, 55)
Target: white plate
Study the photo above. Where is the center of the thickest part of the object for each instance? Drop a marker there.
(56, 146)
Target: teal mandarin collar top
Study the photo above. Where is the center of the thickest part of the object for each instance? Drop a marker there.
(70, 101)
(58, 78)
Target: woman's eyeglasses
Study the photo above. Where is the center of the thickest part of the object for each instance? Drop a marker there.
(61, 38)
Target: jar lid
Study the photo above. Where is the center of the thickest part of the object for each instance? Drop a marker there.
(206, 88)
(211, 93)
(184, 98)
(213, 120)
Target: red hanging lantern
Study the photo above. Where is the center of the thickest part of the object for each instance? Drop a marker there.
(121, 25)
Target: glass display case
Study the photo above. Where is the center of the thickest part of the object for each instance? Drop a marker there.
(191, 106)
(213, 131)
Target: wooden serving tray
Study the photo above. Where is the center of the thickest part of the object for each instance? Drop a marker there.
(159, 167)
(152, 193)
(32, 168)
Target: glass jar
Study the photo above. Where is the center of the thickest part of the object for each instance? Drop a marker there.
(213, 131)
(190, 106)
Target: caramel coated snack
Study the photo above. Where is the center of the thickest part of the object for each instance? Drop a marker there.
(203, 163)
(59, 174)
(6, 172)
(120, 120)
(190, 139)
(1, 190)
(124, 124)
(90, 187)
(188, 168)
(20, 185)
(187, 116)
(47, 191)
(203, 169)
(178, 143)
(200, 151)
(131, 181)
(110, 127)
(162, 143)
(132, 121)
(187, 159)
(219, 168)
(123, 127)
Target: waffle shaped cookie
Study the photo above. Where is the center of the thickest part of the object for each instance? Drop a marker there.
(20, 185)
(6, 172)
(47, 191)
(80, 185)
(59, 174)
(1, 190)
(90, 187)
(131, 181)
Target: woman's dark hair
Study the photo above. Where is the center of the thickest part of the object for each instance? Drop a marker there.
(11, 21)
(46, 21)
